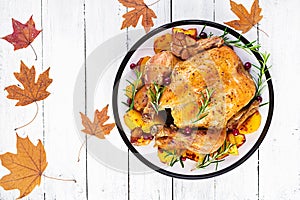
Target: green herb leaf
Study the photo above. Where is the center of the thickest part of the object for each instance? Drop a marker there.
(156, 95)
(251, 46)
(214, 158)
(260, 83)
(205, 102)
(175, 158)
(134, 88)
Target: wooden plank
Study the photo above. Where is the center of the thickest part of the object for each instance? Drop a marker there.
(150, 184)
(278, 156)
(194, 9)
(235, 184)
(63, 42)
(202, 10)
(106, 180)
(12, 116)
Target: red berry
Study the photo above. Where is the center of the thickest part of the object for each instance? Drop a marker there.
(235, 132)
(203, 35)
(132, 65)
(187, 130)
(147, 136)
(183, 158)
(247, 65)
(129, 101)
(167, 81)
(259, 98)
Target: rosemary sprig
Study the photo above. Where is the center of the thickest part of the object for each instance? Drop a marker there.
(210, 35)
(134, 88)
(251, 46)
(260, 83)
(215, 157)
(175, 158)
(156, 95)
(204, 103)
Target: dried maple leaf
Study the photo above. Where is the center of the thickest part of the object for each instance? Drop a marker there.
(247, 20)
(23, 35)
(33, 91)
(140, 9)
(97, 127)
(26, 167)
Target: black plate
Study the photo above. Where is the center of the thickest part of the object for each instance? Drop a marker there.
(115, 100)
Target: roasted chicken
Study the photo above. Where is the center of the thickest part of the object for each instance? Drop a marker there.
(196, 69)
(219, 70)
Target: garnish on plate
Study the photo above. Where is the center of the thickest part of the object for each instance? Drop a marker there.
(132, 88)
(204, 103)
(260, 83)
(156, 95)
(215, 157)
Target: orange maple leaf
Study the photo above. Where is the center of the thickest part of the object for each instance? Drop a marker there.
(33, 91)
(140, 9)
(26, 167)
(246, 20)
(97, 127)
(23, 35)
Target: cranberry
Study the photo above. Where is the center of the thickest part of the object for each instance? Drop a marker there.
(203, 35)
(235, 132)
(129, 101)
(147, 136)
(167, 80)
(247, 65)
(183, 158)
(259, 98)
(187, 130)
(132, 65)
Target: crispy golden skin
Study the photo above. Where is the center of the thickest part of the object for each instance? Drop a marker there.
(221, 71)
(199, 141)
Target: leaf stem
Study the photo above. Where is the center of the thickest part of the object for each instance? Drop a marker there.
(37, 110)
(59, 179)
(153, 3)
(262, 30)
(33, 51)
(84, 142)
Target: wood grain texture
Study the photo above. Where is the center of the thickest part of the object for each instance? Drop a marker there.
(12, 116)
(72, 29)
(279, 176)
(65, 55)
(103, 21)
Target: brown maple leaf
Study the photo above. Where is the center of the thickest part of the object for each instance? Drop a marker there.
(140, 9)
(246, 20)
(23, 35)
(97, 127)
(26, 167)
(33, 91)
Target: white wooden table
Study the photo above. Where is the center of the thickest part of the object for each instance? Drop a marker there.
(72, 29)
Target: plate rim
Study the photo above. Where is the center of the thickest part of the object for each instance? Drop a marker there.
(115, 102)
